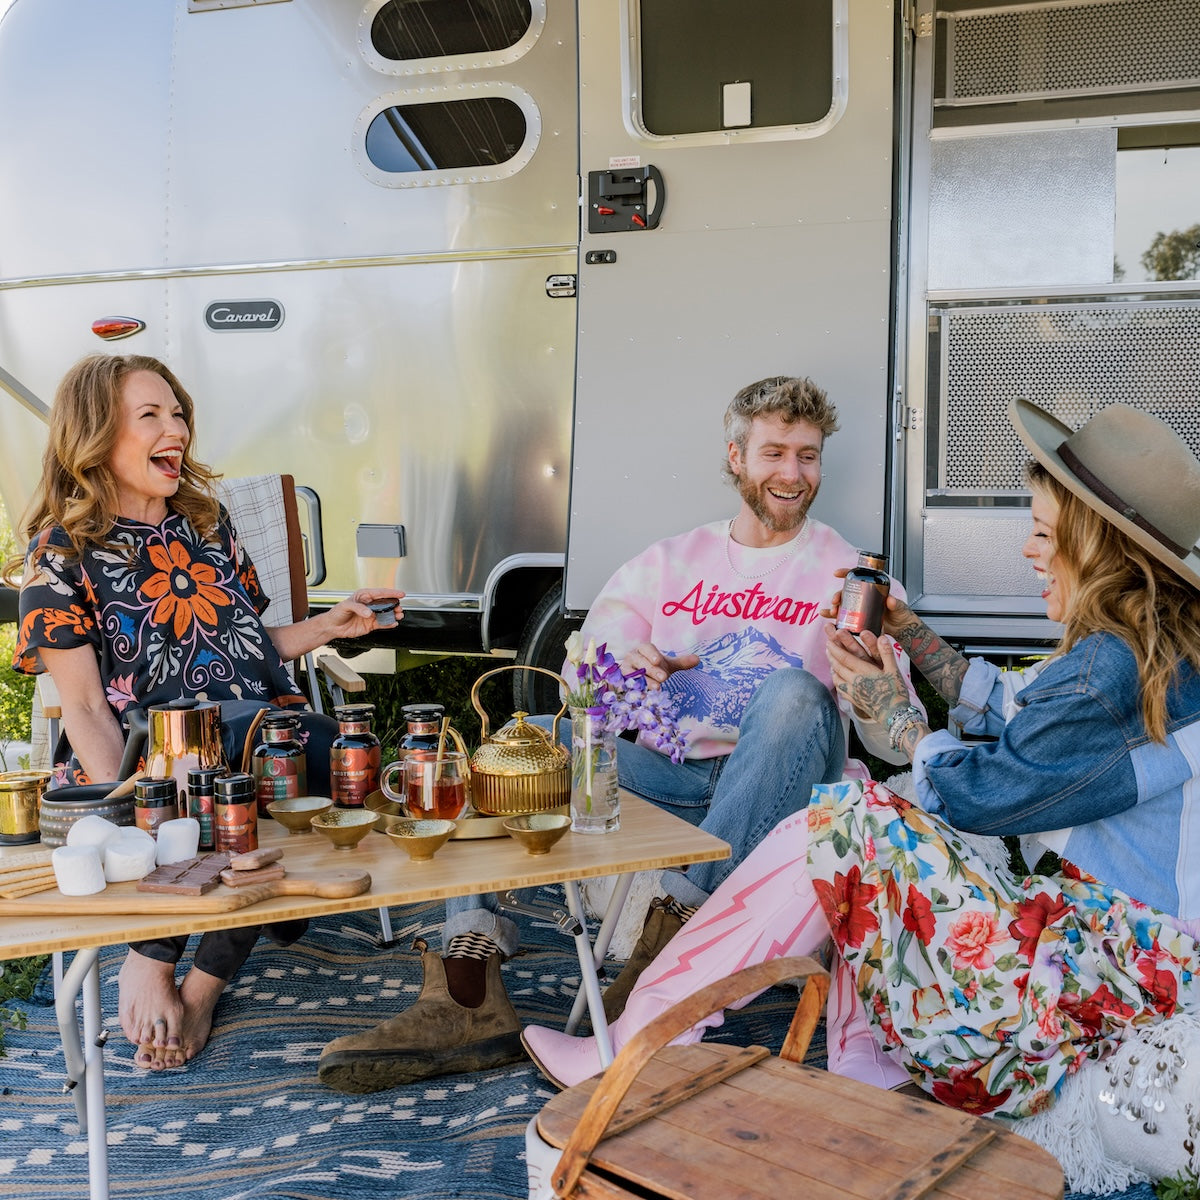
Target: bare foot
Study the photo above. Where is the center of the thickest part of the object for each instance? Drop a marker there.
(150, 1008)
(200, 993)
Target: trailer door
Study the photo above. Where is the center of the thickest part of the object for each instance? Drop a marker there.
(736, 164)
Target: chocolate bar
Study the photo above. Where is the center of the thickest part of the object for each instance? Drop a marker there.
(188, 877)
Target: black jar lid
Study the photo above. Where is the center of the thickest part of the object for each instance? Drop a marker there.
(154, 792)
(233, 787)
(280, 720)
(202, 777)
(421, 713)
(354, 712)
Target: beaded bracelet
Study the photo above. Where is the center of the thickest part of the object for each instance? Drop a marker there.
(900, 722)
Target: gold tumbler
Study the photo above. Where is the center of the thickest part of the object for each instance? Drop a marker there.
(20, 792)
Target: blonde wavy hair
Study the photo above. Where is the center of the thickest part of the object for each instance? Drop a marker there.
(78, 490)
(1114, 586)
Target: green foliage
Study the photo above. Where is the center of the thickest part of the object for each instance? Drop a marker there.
(1184, 1186)
(18, 978)
(1174, 255)
(16, 690)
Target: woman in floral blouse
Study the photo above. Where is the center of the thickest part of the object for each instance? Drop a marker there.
(985, 987)
(136, 592)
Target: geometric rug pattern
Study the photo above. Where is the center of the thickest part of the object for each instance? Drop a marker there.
(248, 1120)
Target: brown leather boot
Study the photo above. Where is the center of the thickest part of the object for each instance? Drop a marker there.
(464, 1023)
(660, 927)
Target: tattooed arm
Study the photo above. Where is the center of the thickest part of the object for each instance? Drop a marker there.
(940, 663)
(875, 687)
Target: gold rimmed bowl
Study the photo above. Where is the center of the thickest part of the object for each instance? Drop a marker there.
(295, 813)
(345, 827)
(421, 839)
(537, 832)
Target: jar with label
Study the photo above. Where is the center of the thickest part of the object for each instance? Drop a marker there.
(154, 801)
(354, 756)
(200, 801)
(864, 594)
(280, 764)
(235, 815)
(423, 723)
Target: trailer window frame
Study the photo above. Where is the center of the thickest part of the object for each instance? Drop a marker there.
(632, 90)
(443, 177)
(444, 64)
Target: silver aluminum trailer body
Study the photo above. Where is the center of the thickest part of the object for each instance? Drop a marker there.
(522, 364)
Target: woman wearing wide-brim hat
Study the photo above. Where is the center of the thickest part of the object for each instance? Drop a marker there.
(988, 987)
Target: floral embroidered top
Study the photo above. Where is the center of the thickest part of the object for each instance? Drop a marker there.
(167, 613)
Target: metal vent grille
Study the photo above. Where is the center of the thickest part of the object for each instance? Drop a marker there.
(1048, 50)
(1072, 360)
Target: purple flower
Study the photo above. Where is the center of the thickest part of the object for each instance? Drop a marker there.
(617, 702)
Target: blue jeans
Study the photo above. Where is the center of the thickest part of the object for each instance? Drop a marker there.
(790, 739)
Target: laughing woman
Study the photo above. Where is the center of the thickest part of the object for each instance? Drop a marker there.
(137, 591)
(985, 987)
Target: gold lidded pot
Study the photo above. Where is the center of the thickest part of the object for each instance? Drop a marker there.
(520, 768)
(20, 795)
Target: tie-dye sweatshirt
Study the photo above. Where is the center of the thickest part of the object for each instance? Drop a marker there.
(744, 611)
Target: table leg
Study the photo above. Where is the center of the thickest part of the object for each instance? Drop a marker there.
(85, 1061)
(608, 926)
(587, 974)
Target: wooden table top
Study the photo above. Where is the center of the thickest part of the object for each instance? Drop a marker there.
(649, 838)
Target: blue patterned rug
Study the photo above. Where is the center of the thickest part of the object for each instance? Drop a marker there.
(249, 1121)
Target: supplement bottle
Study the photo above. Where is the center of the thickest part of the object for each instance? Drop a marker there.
(354, 756)
(864, 593)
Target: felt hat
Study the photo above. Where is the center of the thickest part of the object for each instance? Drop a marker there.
(1131, 468)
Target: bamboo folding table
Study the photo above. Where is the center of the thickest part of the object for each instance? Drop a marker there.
(648, 839)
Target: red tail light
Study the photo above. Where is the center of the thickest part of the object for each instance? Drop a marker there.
(112, 329)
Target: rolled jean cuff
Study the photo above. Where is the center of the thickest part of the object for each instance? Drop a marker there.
(496, 928)
(679, 887)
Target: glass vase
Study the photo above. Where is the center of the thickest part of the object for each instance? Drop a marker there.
(595, 793)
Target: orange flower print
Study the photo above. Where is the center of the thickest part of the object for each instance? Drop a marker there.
(971, 940)
(183, 589)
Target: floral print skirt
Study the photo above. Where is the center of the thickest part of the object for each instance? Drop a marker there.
(992, 987)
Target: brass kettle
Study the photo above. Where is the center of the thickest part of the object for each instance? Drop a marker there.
(520, 768)
(183, 734)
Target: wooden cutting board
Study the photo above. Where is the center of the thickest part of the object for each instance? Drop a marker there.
(125, 898)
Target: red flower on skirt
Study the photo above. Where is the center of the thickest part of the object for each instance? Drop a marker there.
(1032, 917)
(963, 1090)
(918, 916)
(847, 905)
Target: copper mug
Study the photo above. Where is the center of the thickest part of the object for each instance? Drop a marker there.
(184, 735)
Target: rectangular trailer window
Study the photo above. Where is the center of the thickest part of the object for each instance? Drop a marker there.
(704, 63)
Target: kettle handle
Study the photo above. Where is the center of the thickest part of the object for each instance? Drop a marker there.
(483, 717)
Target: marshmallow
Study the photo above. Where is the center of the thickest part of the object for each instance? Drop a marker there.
(77, 870)
(129, 856)
(92, 831)
(177, 840)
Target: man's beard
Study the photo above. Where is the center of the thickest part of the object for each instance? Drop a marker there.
(755, 497)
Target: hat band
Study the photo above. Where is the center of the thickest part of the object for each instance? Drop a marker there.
(1114, 501)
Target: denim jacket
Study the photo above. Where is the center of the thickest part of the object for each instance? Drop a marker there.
(1073, 764)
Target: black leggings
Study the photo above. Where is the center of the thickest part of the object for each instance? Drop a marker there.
(222, 951)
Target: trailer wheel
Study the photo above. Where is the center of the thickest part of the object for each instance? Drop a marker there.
(542, 645)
